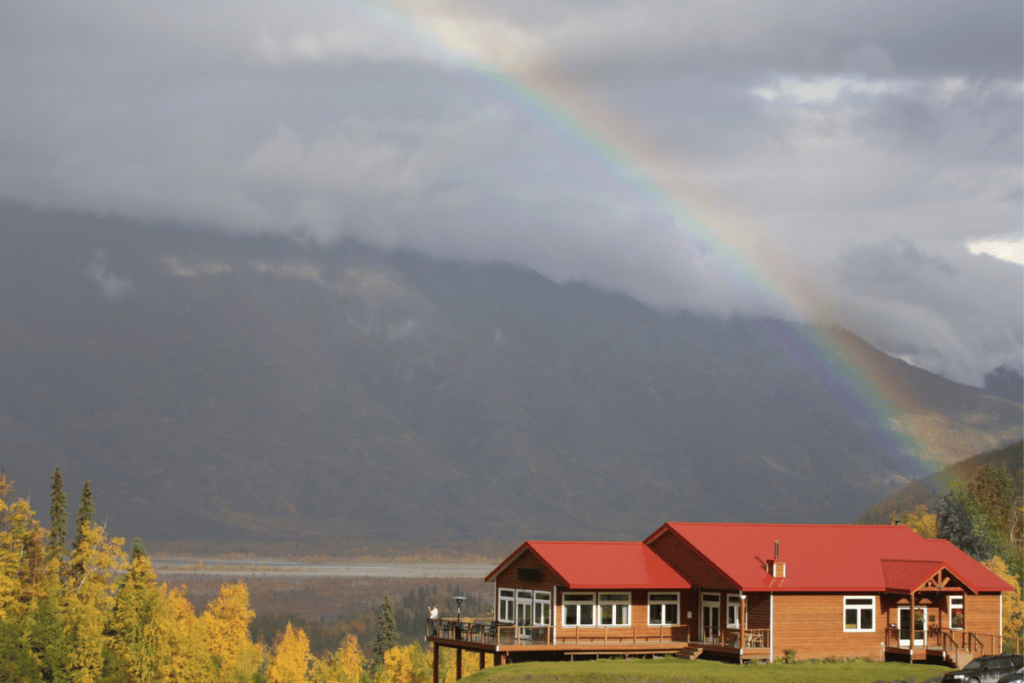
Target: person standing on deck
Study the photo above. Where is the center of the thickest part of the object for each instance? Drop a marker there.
(433, 620)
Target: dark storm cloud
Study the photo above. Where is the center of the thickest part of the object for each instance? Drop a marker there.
(827, 133)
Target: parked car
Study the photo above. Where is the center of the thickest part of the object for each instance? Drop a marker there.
(987, 669)
(1016, 677)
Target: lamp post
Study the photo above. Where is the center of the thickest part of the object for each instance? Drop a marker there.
(458, 605)
(458, 615)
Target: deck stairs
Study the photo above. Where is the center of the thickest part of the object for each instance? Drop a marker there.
(690, 652)
(959, 658)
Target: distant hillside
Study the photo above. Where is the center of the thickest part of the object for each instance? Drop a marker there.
(927, 491)
(241, 392)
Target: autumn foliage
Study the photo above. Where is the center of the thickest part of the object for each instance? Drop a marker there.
(95, 614)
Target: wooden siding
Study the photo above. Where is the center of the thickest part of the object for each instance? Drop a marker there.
(528, 560)
(981, 614)
(758, 610)
(813, 626)
(680, 557)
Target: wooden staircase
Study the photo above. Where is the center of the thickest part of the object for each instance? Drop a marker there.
(690, 652)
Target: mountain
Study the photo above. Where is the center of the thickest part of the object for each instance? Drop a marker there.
(927, 491)
(229, 392)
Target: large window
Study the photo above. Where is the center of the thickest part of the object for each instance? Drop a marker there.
(506, 605)
(578, 609)
(956, 612)
(732, 612)
(663, 609)
(859, 613)
(541, 608)
(614, 609)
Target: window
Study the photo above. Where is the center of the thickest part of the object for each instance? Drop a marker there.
(956, 612)
(614, 609)
(506, 605)
(663, 609)
(541, 608)
(524, 608)
(578, 609)
(732, 612)
(528, 575)
(859, 613)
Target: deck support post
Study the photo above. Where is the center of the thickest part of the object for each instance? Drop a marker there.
(458, 663)
(499, 658)
(436, 657)
(913, 626)
(743, 623)
(483, 660)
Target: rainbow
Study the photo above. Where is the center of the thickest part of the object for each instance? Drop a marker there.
(621, 155)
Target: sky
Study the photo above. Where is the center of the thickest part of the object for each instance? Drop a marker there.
(856, 163)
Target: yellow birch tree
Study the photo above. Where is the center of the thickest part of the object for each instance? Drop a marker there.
(291, 657)
(405, 665)
(190, 657)
(344, 666)
(141, 624)
(1013, 605)
(89, 599)
(226, 629)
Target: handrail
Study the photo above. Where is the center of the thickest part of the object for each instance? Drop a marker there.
(490, 632)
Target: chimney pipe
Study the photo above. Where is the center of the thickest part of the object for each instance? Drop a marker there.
(776, 550)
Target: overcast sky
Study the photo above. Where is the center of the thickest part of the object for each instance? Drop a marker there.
(835, 161)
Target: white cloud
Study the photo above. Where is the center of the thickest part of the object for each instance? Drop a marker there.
(1006, 250)
(111, 286)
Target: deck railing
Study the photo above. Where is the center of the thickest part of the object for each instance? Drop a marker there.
(753, 638)
(951, 640)
(489, 632)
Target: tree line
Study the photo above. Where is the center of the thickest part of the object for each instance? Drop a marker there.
(95, 613)
(984, 517)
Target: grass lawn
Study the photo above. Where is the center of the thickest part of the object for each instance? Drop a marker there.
(673, 669)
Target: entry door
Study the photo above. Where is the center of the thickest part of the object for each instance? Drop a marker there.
(524, 612)
(711, 618)
(920, 619)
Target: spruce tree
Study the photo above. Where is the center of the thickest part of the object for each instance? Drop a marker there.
(82, 521)
(386, 638)
(58, 515)
(85, 513)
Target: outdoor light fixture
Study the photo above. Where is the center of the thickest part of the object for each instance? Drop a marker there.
(458, 604)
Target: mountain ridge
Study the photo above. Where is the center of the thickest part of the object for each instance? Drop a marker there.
(251, 392)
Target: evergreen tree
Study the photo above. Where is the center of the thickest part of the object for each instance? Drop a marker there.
(386, 638)
(137, 550)
(85, 512)
(956, 526)
(141, 623)
(47, 639)
(58, 515)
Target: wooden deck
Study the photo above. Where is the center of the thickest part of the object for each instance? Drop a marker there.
(485, 636)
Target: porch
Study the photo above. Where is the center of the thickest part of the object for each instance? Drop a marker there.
(953, 646)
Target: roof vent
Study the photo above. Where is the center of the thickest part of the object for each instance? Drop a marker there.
(775, 566)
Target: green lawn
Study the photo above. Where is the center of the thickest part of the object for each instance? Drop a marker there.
(673, 669)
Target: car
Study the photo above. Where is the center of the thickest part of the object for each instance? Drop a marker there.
(1016, 677)
(987, 669)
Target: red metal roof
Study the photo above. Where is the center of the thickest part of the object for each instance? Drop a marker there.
(601, 565)
(908, 575)
(827, 557)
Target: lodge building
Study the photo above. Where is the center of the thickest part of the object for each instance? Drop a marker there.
(739, 592)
